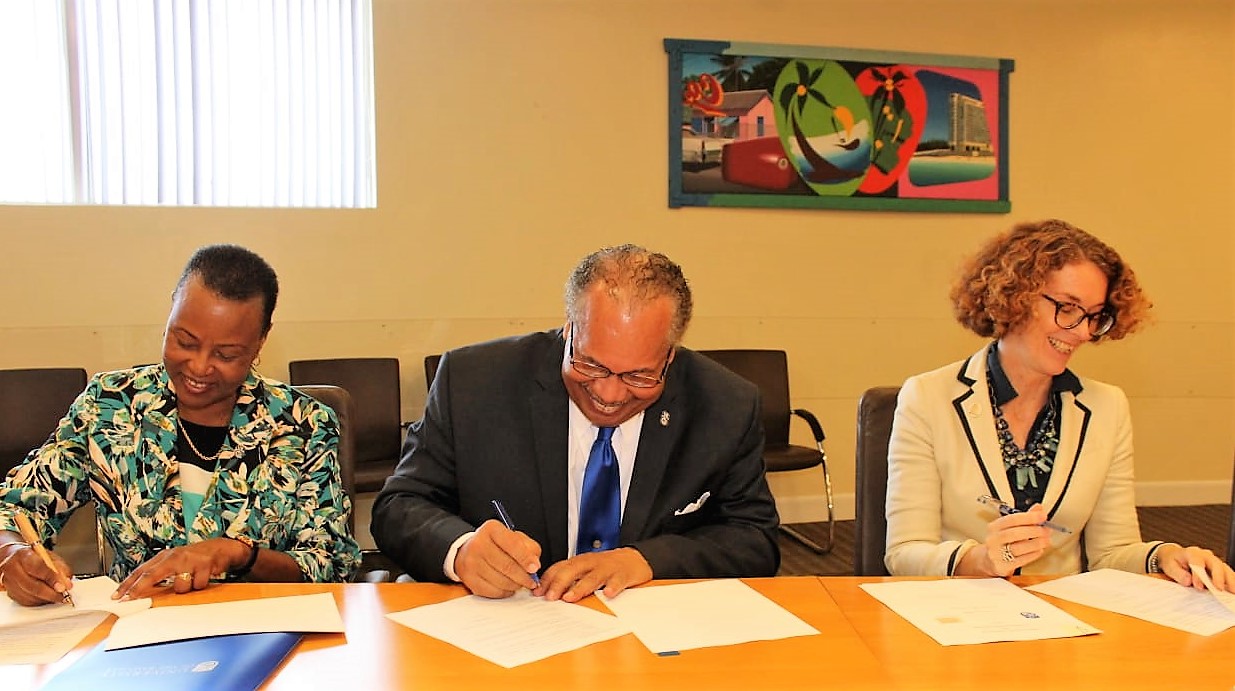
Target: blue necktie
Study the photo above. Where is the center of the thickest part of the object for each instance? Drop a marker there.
(600, 507)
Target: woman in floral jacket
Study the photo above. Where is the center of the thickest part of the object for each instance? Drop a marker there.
(200, 468)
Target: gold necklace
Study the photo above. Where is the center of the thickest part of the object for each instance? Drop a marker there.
(204, 457)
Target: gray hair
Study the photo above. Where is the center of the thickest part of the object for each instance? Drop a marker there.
(636, 274)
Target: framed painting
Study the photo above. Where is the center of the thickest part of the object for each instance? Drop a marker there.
(810, 127)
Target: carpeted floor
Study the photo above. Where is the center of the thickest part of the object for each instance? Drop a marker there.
(1205, 525)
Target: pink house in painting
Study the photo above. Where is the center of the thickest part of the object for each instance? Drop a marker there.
(744, 115)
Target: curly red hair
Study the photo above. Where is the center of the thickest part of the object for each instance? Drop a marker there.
(998, 287)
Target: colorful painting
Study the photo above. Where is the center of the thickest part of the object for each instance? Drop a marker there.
(807, 127)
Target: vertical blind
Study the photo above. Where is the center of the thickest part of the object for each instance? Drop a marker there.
(189, 102)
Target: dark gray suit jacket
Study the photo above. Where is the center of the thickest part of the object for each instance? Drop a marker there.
(495, 427)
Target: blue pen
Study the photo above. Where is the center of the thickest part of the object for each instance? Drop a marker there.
(1005, 510)
(510, 525)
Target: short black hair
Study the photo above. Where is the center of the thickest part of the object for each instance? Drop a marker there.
(235, 273)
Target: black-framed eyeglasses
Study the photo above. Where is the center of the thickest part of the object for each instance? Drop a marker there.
(592, 370)
(1069, 315)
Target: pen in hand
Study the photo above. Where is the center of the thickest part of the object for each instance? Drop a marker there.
(1005, 510)
(29, 535)
(510, 525)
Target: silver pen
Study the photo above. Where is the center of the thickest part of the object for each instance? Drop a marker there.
(1005, 510)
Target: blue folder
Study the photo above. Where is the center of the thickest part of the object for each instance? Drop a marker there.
(242, 661)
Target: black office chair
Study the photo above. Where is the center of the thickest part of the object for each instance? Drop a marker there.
(876, 409)
(340, 401)
(32, 401)
(374, 387)
(1230, 537)
(372, 563)
(769, 370)
(431, 369)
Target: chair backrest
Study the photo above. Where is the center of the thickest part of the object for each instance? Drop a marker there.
(340, 401)
(876, 409)
(374, 387)
(769, 370)
(431, 369)
(1230, 538)
(32, 401)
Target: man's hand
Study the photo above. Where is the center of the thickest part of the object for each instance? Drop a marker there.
(580, 576)
(496, 562)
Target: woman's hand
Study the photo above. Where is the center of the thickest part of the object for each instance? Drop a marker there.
(28, 580)
(183, 569)
(1176, 562)
(1012, 541)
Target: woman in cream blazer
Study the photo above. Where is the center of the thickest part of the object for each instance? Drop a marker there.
(1014, 423)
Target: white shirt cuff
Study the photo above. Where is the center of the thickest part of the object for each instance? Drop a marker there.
(448, 566)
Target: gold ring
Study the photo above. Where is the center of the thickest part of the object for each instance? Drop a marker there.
(185, 576)
(1007, 553)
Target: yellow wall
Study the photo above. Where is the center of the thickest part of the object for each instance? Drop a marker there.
(514, 136)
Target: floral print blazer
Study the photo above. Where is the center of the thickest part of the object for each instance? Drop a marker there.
(277, 480)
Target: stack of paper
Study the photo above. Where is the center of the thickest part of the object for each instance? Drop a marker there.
(40, 635)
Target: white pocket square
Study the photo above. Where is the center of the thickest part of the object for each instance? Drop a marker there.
(693, 506)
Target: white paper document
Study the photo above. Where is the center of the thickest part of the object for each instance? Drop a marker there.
(297, 613)
(45, 642)
(89, 595)
(685, 616)
(963, 611)
(514, 630)
(1226, 599)
(1144, 597)
(43, 634)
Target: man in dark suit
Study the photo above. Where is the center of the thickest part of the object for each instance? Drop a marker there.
(520, 420)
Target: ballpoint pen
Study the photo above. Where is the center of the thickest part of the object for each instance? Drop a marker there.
(30, 536)
(510, 525)
(1005, 510)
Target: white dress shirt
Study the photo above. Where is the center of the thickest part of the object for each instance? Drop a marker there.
(581, 434)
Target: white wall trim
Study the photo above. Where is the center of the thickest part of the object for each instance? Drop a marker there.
(1183, 493)
(808, 509)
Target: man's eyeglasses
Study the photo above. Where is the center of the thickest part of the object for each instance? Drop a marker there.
(591, 370)
(1069, 315)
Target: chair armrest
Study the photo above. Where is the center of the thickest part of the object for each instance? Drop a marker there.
(815, 428)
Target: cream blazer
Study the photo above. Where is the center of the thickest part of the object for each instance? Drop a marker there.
(944, 453)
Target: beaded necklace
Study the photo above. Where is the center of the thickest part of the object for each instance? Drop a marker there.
(1035, 461)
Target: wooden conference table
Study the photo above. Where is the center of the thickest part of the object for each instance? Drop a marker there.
(862, 645)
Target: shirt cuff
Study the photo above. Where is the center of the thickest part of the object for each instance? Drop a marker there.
(448, 566)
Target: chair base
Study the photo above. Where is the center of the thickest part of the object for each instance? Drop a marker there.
(827, 488)
(809, 543)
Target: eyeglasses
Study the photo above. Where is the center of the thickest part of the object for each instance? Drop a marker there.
(591, 370)
(1069, 315)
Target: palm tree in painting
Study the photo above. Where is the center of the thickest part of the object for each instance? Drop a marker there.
(794, 98)
(893, 122)
(733, 73)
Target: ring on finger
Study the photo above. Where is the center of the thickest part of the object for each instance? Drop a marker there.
(1006, 552)
(184, 576)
